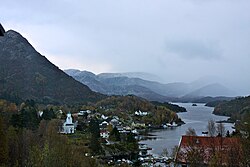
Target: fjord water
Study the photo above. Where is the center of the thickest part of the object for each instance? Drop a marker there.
(196, 117)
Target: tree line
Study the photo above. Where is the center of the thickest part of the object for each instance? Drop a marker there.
(28, 140)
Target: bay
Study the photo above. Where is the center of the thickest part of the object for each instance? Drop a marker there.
(196, 117)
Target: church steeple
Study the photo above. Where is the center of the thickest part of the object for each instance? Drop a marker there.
(68, 126)
(69, 119)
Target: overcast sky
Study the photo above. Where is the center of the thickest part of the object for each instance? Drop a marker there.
(178, 40)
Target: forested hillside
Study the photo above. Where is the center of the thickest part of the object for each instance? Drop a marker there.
(125, 107)
(236, 109)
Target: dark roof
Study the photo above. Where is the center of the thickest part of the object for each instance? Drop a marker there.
(2, 31)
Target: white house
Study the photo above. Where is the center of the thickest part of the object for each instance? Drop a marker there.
(114, 122)
(68, 125)
(104, 134)
(81, 113)
(103, 125)
(104, 117)
(135, 131)
(140, 113)
(40, 113)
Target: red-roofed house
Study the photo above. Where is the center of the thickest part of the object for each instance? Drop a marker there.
(204, 151)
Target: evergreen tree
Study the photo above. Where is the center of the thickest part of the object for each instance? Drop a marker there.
(48, 114)
(115, 135)
(131, 138)
(94, 129)
(27, 117)
(95, 145)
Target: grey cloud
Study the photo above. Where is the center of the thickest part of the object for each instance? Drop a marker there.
(123, 36)
(192, 49)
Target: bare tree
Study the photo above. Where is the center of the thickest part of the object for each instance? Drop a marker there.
(165, 152)
(211, 128)
(174, 151)
(191, 132)
(220, 128)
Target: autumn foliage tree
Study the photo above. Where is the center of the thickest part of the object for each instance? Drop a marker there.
(3, 145)
(245, 138)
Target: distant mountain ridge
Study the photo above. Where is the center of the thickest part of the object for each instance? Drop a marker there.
(26, 74)
(119, 84)
(141, 75)
(213, 90)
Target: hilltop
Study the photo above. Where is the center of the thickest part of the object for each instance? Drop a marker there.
(26, 74)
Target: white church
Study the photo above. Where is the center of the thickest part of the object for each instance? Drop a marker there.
(68, 125)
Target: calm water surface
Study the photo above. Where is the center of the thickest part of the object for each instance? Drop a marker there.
(196, 117)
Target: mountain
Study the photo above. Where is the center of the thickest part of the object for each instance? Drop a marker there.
(113, 85)
(214, 89)
(142, 75)
(26, 74)
(120, 84)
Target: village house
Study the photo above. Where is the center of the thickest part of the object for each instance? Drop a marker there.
(204, 150)
(116, 117)
(139, 125)
(104, 133)
(40, 114)
(140, 113)
(103, 117)
(82, 113)
(119, 128)
(128, 128)
(114, 122)
(104, 125)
